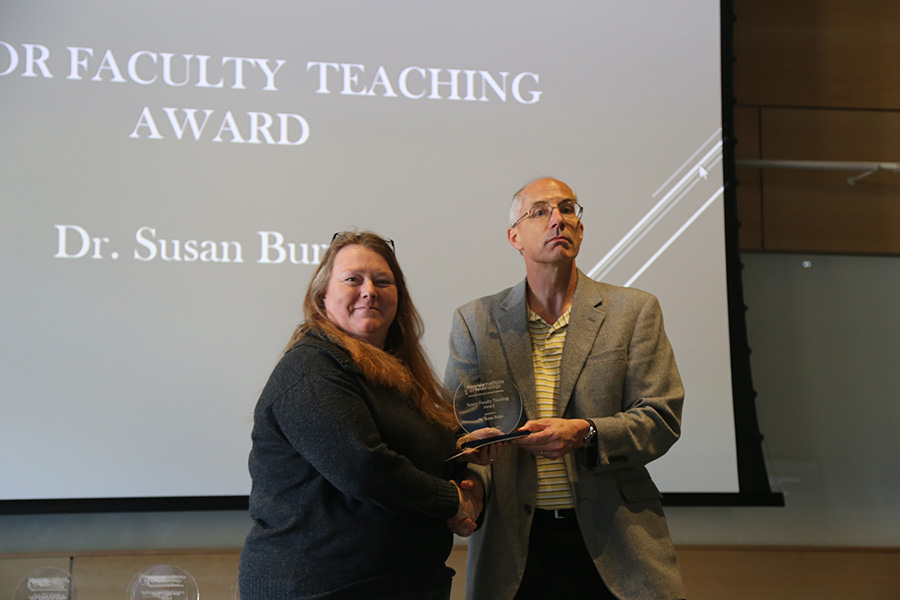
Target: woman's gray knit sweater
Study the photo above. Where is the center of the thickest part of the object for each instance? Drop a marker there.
(350, 492)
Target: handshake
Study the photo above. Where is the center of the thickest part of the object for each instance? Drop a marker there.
(471, 492)
(471, 503)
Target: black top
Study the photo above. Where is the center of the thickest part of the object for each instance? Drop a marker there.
(350, 492)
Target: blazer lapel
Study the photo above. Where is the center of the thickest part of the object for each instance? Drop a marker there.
(584, 323)
(512, 323)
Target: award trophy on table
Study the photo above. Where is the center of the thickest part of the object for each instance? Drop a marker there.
(47, 583)
(166, 582)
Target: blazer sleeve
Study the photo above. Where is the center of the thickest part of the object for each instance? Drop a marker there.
(652, 399)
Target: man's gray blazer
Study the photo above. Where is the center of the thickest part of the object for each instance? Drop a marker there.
(618, 370)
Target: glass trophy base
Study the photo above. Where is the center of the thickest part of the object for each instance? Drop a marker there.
(493, 440)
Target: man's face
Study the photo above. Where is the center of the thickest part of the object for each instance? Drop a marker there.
(551, 240)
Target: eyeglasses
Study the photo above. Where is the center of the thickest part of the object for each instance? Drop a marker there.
(541, 211)
(387, 241)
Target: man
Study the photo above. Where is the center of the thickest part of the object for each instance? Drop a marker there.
(570, 510)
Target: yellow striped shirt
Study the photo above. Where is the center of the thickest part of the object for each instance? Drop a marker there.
(547, 342)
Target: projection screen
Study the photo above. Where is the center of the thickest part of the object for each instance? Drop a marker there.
(172, 172)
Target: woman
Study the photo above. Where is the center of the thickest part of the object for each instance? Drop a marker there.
(351, 498)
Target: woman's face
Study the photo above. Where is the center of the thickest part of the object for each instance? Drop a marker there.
(361, 297)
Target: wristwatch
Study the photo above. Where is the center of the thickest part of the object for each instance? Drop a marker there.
(590, 439)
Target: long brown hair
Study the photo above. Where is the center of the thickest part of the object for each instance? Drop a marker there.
(402, 364)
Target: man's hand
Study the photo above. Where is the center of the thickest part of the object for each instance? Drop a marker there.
(553, 438)
(471, 503)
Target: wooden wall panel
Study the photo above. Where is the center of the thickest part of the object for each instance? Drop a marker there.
(821, 134)
(819, 211)
(824, 76)
(818, 53)
(790, 573)
(710, 572)
(749, 189)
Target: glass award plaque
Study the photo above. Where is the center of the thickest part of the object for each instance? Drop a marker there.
(494, 404)
(163, 582)
(47, 583)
